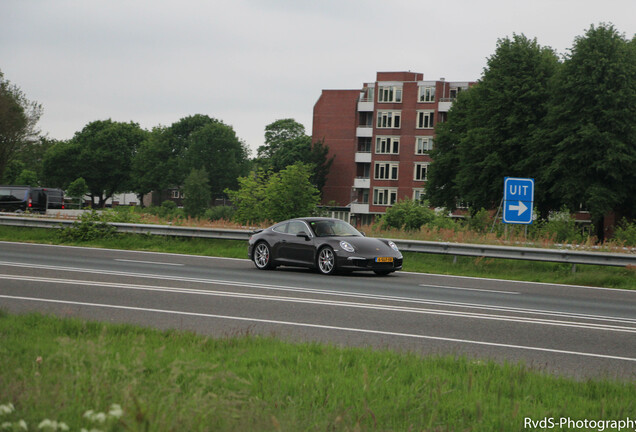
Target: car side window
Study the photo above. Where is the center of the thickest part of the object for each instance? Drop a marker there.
(296, 227)
(282, 228)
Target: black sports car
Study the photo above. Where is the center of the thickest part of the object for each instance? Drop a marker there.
(326, 244)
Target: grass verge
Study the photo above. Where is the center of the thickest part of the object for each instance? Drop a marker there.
(601, 276)
(57, 369)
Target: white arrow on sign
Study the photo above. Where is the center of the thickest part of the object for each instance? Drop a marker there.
(521, 208)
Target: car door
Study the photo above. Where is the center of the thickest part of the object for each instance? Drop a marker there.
(297, 250)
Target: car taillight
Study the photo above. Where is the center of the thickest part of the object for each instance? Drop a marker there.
(30, 202)
(62, 206)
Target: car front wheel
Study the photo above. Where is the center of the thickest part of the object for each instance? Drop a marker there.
(326, 261)
(262, 256)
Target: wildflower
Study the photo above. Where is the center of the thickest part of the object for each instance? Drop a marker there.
(6, 409)
(46, 423)
(115, 411)
(6, 425)
(22, 425)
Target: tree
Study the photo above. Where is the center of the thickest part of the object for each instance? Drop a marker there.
(18, 119)
(155, 166)
(276, 196)
(277, 133)
(249, 199)
(591, 129)
(194, 142)
(77, 189)
(197, 193)
(286, 143)
(216, 148)
(487, 135)
(290, 193)
(28, 178)
(101, 153)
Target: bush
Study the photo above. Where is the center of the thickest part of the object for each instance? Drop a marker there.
(481, 221)
(625, 233)
(91, 226)
(219, 212)
(408, 215)
(561, 227)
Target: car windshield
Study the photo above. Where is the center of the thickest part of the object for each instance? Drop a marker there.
(334, 228)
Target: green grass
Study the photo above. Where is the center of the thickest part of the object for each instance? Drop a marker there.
(601, 276)
(57, 369)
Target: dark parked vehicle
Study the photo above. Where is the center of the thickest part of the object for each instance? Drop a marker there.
(328, 245)
(22, 198)
(55, 198)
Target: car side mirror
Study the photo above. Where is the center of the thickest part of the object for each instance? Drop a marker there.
(303, 234)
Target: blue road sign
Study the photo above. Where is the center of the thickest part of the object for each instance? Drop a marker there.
(518, 200)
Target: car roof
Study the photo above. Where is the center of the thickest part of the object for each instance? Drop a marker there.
(316, 219)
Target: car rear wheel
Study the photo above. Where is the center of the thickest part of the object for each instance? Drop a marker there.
(326, 261)
(263, 256)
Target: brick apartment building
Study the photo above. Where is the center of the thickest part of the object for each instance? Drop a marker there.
(381, 137)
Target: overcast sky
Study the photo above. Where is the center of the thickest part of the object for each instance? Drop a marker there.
(251, 62)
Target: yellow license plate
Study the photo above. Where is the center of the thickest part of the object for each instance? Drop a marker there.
(384, 259)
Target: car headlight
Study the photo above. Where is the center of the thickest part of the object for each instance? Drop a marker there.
(393, 246)
(347, 246)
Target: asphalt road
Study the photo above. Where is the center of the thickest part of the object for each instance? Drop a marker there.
(574, 331)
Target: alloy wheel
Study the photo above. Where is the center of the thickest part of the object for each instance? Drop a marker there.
(326, 261)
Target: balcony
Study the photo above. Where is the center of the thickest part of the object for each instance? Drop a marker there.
(365, 105)
(359, 208)
(445, 104)
(364, 131)
(362, 183)
(363, 157)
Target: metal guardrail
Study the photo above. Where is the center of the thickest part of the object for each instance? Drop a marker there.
(445, 248)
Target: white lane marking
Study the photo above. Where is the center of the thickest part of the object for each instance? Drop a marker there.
(332, 303)
(469, 289)
(131, 251)
(327, 327)
(401, 271)
(513, 281)
(149, 262)
(329, 293)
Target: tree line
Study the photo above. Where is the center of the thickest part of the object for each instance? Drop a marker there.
(198, 154)
(568, 122)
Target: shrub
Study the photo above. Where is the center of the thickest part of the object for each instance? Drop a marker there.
(625, 233)
(561, 226)
(91, 226)
(408, 215)
(481, 221)
(219, 212)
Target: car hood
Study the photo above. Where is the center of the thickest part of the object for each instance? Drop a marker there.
(370, 246)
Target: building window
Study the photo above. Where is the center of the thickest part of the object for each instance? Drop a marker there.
(389, 119)
(421, 171)
(418, 195)
(423, 145)
(454, 91)
(390, 94)
(387, 145)
(426, 94)
(384, 196)
(425, 119)
(386, 171)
